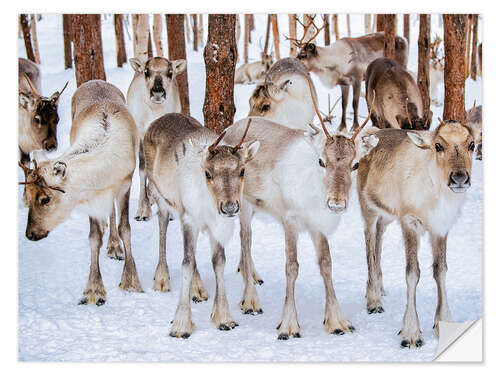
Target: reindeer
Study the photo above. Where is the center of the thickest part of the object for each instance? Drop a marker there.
(476, 123)
(189, 172)
(345, 62)
(91, 174)
(253, 72)
(436, 69)
(38, 116)
(418, 178)
(284, 96)
(152, 93)
(302, 179)
(399, 103)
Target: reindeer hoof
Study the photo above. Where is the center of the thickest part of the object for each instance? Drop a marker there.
(195, 299)
(283, 336)
(185, 335)
(352, 328)
(84, 301)
(100, 301)
(142, 218)
(375, 310)
(338, 331)
(259, 282)
(297, 335)
(405, 343)
(419, 343)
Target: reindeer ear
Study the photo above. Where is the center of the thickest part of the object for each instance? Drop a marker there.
(250, 149)
(421, 138)
(197, 146)
(59, 169)
(179, 66)
(27, 101)
(136, 64)
(365, 144)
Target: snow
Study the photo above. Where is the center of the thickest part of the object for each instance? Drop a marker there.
(134, 327)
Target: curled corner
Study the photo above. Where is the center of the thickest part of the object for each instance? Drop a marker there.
(460, 342)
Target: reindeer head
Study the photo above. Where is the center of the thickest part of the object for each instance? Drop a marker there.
(43, 114)
(452, 146)
(338, 157)
(159, 73)
(265, 100)
(413, 121)
(45, 191)
(266, 61)
(224, 169)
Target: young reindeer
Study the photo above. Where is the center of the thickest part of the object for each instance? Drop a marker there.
(189, 172)
(418, 178)
(303, 181)
(152, 93)
(38, 116)
(91, 174)
(399, 102)
(284, 97)
(253, 72)
(345, 63)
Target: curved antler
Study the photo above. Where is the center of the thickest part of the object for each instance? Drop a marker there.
(33, 90)
(366, 120)
(58, 94)
(325, 130)
(238, 146)
(467, 117)
(212, 147)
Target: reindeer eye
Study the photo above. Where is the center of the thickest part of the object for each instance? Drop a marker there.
(208, 175)
(265, 107)
(355, 166)
(37, 119)
(242, 172)
(471, 146)
(439, 147)
(45, 201)
(146, 72)
(322, 163)
(169, 74)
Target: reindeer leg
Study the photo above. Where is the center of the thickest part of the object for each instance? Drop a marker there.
(182, 325)
(439, 269)
(161, 281)
(345, 98)
(197, 292)
(381, 227)
(25, 160)
(334, 322)
(289, 324)
(130, 279)
(95, 292)
(220, 312)
(356, 90)
(144, 209)
(411, 333)
(250, 301)
(373, 289)
(114, 247)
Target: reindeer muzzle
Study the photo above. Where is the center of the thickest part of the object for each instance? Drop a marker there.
(336, 206)
(229, 209)
(459, 181)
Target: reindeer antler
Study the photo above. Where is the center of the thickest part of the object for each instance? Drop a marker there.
(366, 120)
(58, 94)
(238, 146)
(325, 130)
(407, 113)
(38, 180)
(467, 117)
(33, 90)
(300, 43)
(212, 147)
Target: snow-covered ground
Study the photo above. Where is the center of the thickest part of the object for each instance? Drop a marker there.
(135, 327)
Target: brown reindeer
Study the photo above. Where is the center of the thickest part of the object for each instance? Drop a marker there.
(345, 63)
(420, 179)
(399, 102)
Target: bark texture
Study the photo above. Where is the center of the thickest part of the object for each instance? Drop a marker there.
(142, 37)
(454, 74)
(276, 35)
(292, 27)
(473, 58)
(194, 17)
(406, 28)
(176, 51)
(27, 37)
(87, 44)
(247, 38)
(326, 30)
(348, 21)
(467, 54)
(389, 36)
(157, 29)
(121, 52)
(380, 22)
(336, 26)
(68, 57)
(368, 23)
(220, 60)
(424, 37)
(34, 37)
(268, 29)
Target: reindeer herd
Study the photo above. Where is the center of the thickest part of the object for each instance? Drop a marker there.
(274, 161)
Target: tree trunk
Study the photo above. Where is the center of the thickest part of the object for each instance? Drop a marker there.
(480, 58)
(68, 57)
(87, 44)
(380, 22)
(389, 36)
(454, 62)
(135, 18)
(247, 37)
(336, 26)
(220, 60)
(188, 31)
(406, 28)
(150, 45)
(473, 61)
(424, 37)
(121, 52)
(27, 37)
(348, 20)
(307, 19)
(157, 29)
(467, 54)
(292, 27)
(368, 23)
(326, 23)
(194, 17)
(276, 35)
(142, 37)
(200, 29)
(176, 51)
(268, 27)
(34, 38)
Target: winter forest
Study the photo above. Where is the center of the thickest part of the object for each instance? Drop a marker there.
(248, 187)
